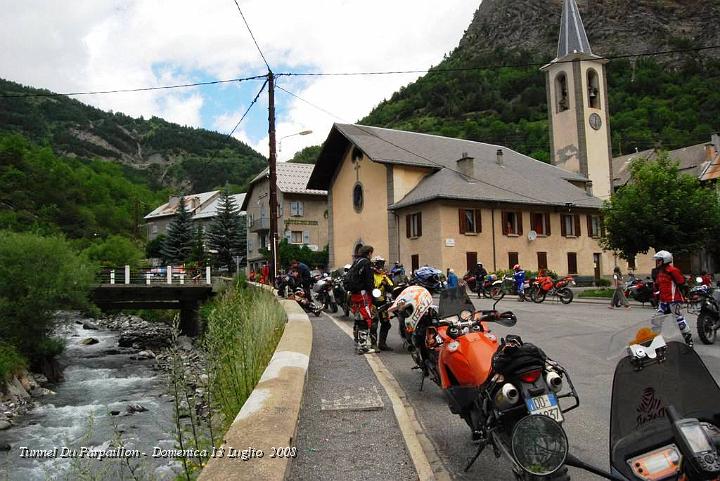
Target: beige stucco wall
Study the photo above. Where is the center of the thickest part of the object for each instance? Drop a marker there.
(440, 223)
(314, 219)
(257, 207)
(597, 140)
(564, 124)
(368, 226)
(405, 179)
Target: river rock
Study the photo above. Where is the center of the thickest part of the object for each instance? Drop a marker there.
(89, 325)
(145, 355)
(136, 408)
(15, 389)
(5, 425)
(88, 341)
(41, 392)
(40, 379)
(5, 447)
(114, 413)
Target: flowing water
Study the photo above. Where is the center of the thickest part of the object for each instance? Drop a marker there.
(79, 416)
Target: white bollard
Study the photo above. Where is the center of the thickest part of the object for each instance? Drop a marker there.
(147, 278)
(127, 274)
(112, 276)
(169, 274)
(207, 275)
(182, 278)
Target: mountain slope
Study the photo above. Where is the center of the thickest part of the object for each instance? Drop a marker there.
(163, 153)
(668, 100)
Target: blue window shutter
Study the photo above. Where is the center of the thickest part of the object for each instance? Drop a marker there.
(306, 237)
(300, 208)
(288, 235)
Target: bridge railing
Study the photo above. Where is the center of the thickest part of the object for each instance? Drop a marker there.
(156, 276)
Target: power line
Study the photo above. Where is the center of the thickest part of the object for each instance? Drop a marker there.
(143, 89)
(251, 34)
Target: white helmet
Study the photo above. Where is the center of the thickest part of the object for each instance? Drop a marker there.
(665, 256)
(346, 267)
(413, 302)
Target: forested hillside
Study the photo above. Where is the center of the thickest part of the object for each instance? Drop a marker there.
(662, 100)
(160, 153)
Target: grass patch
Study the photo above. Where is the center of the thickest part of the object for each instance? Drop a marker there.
(243, 329)
(608, 293)
(11, 362)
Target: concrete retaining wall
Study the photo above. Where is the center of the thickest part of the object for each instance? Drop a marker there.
(268, 419)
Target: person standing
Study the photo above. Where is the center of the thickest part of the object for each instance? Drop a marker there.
(360, 283)
(669, 278)
(619, 294)
(452, 279)
(264, 278)
(519, 277)
(382, 283)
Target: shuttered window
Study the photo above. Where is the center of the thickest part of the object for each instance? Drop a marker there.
(296, 209)
(542, 260)
(512, 259)
(593, 225)
(470, 260)
(512, 223)
(296, 237)
(572, 262)
(414, 262)
(470, 221)
(570, 225)
(413, 225)
(540, 223)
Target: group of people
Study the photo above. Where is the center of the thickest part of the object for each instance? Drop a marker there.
(263, 277)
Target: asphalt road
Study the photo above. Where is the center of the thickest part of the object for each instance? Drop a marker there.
(575, 335)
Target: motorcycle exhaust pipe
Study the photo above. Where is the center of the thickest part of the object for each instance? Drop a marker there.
(554, 381)
(507, 396)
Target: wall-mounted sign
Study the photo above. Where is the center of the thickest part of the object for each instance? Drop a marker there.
(449, 242)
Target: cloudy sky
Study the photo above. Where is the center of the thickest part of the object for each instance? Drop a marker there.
(88, 45)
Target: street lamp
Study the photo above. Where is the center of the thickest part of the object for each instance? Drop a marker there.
(304, 132)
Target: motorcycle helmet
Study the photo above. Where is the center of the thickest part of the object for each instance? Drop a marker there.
(412, 304)
(300, 292)
(346, 267)
(516, 267)
(378, 262)
(664, 256)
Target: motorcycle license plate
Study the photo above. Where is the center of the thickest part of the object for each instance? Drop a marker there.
(545, 405)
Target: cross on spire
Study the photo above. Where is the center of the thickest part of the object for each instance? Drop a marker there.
(573, 38)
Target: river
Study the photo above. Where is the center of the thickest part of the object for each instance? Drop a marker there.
(99, 379)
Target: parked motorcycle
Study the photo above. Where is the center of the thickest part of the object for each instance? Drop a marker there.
(308, 305)
(481, 288)
(397, 274)
(341, 295)
(507, 391)
(697, 295)
(560, 288)
(429, 278)
(708, 320)
(507, 285)
(325, 293)
(642, 291)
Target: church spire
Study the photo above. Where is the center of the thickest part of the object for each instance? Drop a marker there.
(573, 38)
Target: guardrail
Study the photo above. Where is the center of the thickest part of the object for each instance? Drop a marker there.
(156, 276)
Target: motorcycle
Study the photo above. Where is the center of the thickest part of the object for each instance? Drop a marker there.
(559, 288)
(507, 285)
(665, 414)
(483, 287)
(506, 391)
(325, 293)
(708, 320)
(697, 295)
(308, 305)
(642, 291)
(397, 274)
(429, 278)
(341, 295)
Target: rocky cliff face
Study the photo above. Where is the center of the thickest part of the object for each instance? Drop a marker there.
(613, 26)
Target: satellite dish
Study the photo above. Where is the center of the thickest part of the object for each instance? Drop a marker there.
(532, 235)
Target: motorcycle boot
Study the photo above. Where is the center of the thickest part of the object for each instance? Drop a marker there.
(688, 339)
(384, 329)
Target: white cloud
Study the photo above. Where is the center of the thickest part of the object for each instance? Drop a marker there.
(89, 45)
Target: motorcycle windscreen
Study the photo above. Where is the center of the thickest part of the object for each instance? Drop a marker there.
(453, 302)
(639, 399)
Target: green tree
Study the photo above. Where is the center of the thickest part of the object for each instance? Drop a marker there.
(38, 276)
(198, 251)
(660, 208)
(308, 155)
(225, 236)
(115, 251)
(178, 244)
(302, 253)
(153, 249)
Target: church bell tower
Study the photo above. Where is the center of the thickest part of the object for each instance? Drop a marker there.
(576, 84)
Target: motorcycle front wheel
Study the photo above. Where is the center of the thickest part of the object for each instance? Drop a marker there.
(565, 295)
(707, 328)
(496, 293)
(538, 295)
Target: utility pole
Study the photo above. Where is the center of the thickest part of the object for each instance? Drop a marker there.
(273, 179)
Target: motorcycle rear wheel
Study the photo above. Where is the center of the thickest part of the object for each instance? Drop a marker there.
(706, 328)
(529, 292)
(484, 292)
(565, 295)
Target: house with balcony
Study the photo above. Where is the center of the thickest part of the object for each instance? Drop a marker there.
(159, 219)
(302, 212)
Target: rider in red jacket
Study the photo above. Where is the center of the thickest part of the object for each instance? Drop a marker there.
(669, 278)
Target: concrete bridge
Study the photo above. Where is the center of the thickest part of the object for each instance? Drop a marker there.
(157, 288)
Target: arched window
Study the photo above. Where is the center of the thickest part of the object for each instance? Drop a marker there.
(561, 92)
(593, 85)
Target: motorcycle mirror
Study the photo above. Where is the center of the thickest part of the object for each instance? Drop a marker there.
(506, 319)
(376, 293)
(533, 431)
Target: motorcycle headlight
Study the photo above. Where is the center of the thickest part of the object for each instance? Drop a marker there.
(539, 445)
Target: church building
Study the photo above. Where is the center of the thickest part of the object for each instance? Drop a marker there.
(429, 200)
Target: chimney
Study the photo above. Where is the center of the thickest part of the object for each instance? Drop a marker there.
(499, 157)
(588, 188)
(466, 165)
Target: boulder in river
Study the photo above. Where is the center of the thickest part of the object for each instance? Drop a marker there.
(4, 424)
(88, 341)
(136, 408)
(89, 325)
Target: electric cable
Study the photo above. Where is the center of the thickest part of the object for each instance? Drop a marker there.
(142, 89)
(251, 35)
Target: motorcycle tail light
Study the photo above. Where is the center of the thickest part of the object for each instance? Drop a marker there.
(531, 376)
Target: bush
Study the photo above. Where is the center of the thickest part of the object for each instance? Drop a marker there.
(115, 251)
(602, 283)
(597, 293)
(11, 362)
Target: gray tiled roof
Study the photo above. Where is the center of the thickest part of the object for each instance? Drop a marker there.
(292, 178)
(521, 179)
(212, 208)
(692, 160)
(573, 38)
(170, 208)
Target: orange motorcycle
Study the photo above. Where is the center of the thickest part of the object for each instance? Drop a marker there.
(492, 383)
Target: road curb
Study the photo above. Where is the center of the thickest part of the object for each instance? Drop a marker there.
(268, 420)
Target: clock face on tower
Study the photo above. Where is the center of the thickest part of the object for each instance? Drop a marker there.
(595, 121)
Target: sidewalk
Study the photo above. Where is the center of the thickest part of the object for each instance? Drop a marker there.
(346, 429)
(601, 300)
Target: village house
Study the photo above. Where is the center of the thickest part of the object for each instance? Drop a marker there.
(429, 200)
(302, 212)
